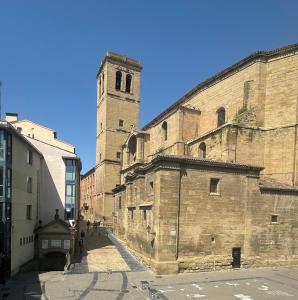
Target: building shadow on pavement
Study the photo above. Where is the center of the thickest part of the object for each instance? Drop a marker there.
(24, 285)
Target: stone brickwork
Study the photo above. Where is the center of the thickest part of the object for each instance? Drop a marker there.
(117, 115)
(233, 132)
(87, 199)
(190, 228)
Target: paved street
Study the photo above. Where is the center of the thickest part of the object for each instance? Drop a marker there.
(108, 271)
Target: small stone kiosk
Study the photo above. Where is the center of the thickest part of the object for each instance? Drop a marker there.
(56, 244)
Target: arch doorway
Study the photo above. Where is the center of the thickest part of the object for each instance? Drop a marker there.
(53, 261)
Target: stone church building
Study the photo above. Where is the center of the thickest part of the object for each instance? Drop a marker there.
(211, 182)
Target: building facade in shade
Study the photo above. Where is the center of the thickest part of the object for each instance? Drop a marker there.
(60, 173)
(88, 196)
(211, 182)
(118, 98)
(20, 167)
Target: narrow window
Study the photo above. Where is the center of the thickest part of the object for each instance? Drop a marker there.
(9, 182)
(164, 127)
(28, 212)
(128, 83)
(221, 117)
(214, 186)
(99, 88)
(202, 149)
(99, 156)
(131, 214)
(118, 80)
(103, 84)
(29, 184)
(100, 125)
(29, 157)
(1, 181)
(151, 185)
(144, 214)
(2, 145)
(121, 123)
(9, 148)
(274, 218)
(118, 155)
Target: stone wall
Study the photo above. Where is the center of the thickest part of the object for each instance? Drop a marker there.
(117, 116)
(258, 97)
(192, 228)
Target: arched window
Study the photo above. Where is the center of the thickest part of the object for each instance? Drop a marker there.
(221, 117)
(128, 83)
(164, 127)
(132, 149)
(202, 150)
(99, 88)
(118, 80)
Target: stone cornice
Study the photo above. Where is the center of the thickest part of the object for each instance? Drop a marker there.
(272, 190)
(113, 57)
(172, 162)
(186, 160)
(108, 161)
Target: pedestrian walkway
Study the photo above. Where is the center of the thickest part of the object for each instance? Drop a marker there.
(131, 260)
(102, 252)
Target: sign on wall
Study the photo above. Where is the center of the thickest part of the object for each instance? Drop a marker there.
(66, 244)
(44, 244)
(56, 243)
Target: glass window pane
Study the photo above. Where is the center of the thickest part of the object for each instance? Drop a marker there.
(1, 153)
(68, 190)
(70, 176)
(1, 181)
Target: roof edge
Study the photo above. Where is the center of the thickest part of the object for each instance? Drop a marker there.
(256, 56)
(8, 126)
(205, 162)
(118, 58)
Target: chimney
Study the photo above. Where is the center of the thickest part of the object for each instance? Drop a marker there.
(11, 117)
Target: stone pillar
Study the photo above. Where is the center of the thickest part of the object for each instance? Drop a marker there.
(125, 157)
(140, 148)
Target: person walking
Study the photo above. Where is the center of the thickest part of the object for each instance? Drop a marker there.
(81, 241)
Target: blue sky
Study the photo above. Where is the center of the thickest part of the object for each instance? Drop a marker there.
(50, 51)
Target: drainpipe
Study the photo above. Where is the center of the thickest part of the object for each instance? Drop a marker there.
(178, 213)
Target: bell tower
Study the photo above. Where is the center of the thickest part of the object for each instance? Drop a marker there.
(118, 103)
